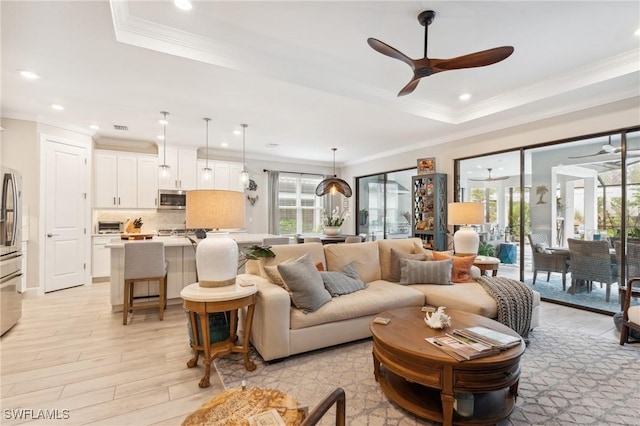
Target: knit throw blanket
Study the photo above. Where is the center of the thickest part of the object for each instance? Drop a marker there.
(514, 300)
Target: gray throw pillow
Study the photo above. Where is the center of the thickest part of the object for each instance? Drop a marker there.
(543, 248)
(304, 283)
(434, 272)
(396, 257)
(344, 282)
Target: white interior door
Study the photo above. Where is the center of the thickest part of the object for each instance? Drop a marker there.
(65, 204)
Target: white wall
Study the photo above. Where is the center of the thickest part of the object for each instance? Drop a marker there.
(595, 120)
(21, 151)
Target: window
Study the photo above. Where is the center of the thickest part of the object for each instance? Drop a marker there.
(299, 208)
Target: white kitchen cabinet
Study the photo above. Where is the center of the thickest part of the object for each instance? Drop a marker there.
(182, 172)
(116, 178)
(148, 182)
(100, 257)
(125, 180)
(224, 175)
(235, 177)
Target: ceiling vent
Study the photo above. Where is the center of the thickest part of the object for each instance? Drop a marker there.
(121, 127)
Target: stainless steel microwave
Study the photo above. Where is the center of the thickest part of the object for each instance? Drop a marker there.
(169, 199)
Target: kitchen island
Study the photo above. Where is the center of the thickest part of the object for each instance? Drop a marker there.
(181, 255)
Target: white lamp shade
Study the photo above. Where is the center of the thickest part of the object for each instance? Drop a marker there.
(465, 241)
(465, 213)
(216, 255)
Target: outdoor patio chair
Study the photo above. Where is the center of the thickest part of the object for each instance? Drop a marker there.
(630, 314)
(548, 260)
(591, 261)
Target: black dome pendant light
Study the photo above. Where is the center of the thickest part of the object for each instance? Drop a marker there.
(333, 184)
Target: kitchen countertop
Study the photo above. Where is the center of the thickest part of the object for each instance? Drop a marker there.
(117, 243)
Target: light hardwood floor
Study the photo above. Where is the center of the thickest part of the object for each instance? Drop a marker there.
(70, 352)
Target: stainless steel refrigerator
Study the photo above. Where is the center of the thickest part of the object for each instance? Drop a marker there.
(10, 249)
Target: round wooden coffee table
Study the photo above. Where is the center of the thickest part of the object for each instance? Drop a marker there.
(423, 379)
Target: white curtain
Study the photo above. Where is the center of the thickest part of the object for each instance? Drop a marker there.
(272, 202)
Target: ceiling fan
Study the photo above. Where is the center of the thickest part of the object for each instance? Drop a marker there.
(491, 178)
(425, 66)
(609, 149)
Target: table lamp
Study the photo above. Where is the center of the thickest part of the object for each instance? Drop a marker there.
(466, 239)
(217, 254)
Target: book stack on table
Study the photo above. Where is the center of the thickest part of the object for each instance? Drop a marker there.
(473, 342)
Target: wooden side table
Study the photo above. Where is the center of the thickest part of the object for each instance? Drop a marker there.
(487, 263)
(204, 301)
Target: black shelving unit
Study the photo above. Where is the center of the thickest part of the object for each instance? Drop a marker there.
(429, 221)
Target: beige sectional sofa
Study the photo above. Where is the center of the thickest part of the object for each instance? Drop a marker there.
(280, 329)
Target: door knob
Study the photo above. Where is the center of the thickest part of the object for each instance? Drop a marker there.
(52, 235)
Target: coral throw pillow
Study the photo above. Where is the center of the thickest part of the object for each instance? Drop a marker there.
(460, 273)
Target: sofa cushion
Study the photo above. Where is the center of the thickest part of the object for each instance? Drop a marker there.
(377, 297)
(408, 245)
(304, 283)
(286, 252)
(433, 272)
(468, 297)
(364, 257)
(274, 276)
(396, 257)
(461, 270)
(343, 282)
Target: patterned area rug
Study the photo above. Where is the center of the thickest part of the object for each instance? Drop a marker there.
(567, 378)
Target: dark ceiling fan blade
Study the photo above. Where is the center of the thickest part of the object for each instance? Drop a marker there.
(410, 87)
(392, 52)
(477, 59)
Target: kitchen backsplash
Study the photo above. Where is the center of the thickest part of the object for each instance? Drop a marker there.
(152, 220)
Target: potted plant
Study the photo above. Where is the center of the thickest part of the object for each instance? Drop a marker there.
(486, 249)
(333, 223)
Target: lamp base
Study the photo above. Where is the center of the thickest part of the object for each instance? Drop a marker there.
(217, 260)
(466, 241)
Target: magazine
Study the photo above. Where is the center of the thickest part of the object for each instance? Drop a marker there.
(490, 337)
(465, 348)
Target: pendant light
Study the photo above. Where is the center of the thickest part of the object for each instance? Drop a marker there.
(164, 167)
(206, 169)
(244, 175)
(333, 184)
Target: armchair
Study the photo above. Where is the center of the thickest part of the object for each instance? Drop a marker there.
(630, 314)
(548, 260)
(591, 261)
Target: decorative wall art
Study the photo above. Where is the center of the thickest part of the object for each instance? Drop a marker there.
(426, 166)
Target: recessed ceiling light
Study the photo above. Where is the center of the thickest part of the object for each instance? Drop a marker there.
(94, 127)
(160, 137)
(465, 96)
(29, 75)
(637, 32)
(57, 107)
(237, 132)
(224, 144)
(183, 4)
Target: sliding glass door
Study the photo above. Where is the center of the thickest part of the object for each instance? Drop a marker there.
(384, 205)
(542, 198)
